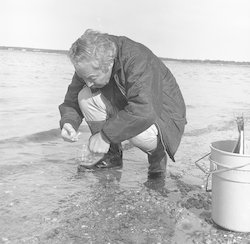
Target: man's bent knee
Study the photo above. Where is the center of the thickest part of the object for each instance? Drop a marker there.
(147, 140)
(94, 106)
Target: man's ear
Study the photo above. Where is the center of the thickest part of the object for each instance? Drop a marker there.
(111, 65)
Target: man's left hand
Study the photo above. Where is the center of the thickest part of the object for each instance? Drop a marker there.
(97, 144)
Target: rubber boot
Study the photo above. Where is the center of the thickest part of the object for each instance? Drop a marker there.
(112, 159)
(157, 162)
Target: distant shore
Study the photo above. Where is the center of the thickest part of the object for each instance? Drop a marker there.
(206, 61)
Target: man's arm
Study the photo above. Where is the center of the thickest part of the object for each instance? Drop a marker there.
(69, 109)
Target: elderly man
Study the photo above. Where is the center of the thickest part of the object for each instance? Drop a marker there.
(124, 92)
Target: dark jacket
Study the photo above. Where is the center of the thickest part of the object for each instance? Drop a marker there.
(145, 92)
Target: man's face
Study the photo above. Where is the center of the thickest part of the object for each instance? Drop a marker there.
(92, 77)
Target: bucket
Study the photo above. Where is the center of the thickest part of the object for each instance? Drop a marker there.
(230, 186)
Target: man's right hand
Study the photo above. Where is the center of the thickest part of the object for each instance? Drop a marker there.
(69, 134)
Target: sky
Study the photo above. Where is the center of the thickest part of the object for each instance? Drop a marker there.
(179, 29)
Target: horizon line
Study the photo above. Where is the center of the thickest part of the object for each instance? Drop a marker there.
(61, 51)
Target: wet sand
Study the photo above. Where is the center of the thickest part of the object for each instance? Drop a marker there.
(115, 206)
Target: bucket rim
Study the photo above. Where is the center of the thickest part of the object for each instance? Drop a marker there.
(226, 152)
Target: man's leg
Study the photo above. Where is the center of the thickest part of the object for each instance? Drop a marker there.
(96, 110)
(149, 142)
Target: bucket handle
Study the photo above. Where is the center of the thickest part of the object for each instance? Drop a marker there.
(208, 173)
(227, 168)
(199, 166)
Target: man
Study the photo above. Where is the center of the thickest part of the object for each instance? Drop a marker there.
(124, 92)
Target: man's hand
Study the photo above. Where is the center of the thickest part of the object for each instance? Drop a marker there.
(69, 134)
(97, 144)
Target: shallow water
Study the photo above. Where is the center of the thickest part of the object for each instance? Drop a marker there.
(39, 181)
(41, 191)
(32, 85)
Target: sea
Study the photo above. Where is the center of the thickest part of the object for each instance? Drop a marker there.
(39, 185)
(33, 85)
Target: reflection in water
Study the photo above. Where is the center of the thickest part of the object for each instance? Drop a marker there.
(156, 183)
(103, 177)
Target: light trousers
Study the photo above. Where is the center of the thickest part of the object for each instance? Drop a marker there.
(95, 107)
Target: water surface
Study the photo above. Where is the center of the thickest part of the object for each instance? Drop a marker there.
(40, 188)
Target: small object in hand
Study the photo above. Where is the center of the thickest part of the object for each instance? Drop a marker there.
(77, 137)
(85, 157)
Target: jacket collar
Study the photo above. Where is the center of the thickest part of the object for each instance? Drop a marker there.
(117, 66)
(117, 63)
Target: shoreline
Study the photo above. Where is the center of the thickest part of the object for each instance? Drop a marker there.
(65, 52)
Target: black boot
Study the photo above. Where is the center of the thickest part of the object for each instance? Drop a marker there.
(112, 159)
(157, 162)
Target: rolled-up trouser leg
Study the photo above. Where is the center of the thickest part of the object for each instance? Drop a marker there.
(94, 106)
(96, 110)
(147, 140)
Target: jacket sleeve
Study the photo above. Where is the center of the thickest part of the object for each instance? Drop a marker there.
(139, 114)
(69, 109)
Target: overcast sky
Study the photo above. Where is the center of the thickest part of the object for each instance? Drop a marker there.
(183, 29)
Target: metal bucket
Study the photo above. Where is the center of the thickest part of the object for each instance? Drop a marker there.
(230, 186)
